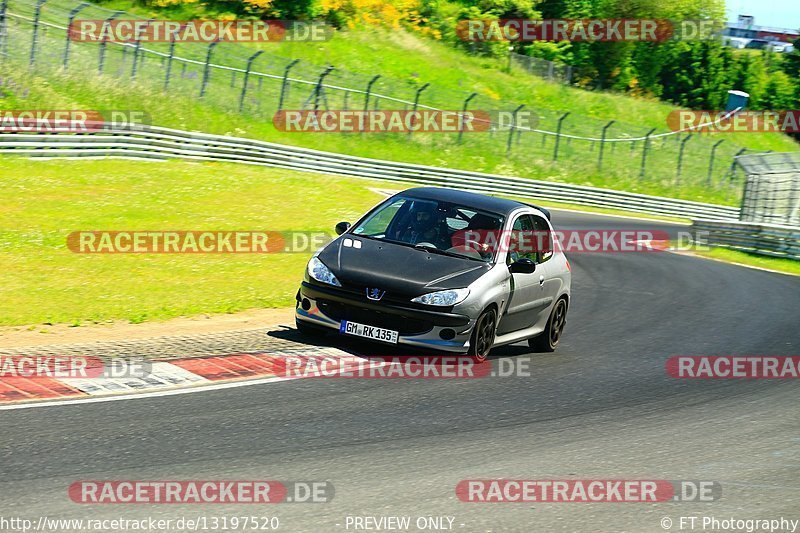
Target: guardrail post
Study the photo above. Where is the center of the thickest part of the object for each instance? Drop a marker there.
(169, 59)
(72, 15)
(680, 158)
(207, 69)
(36, 13)
(558, 135)
(369, 91)
(416, 102)
(645, 147)
(102, 50)
(711, 160)
(318, 87)
(284, 84)
(247, 76)
(603, 144)
(463, 114)
(513, 127)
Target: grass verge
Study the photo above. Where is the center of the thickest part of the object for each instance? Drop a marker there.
(786, 266)
(41, 281)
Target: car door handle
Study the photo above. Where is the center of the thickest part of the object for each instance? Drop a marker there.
(541, 280)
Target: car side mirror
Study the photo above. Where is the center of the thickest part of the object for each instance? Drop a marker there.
(522, 266)
(341, 227)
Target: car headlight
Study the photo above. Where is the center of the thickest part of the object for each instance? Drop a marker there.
(448, 297)
(318, 271)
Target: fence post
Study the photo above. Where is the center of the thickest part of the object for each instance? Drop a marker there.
(136, 51)
(513, 127)
(558, 135)
(72, 15)
(318, 88)
(463, 114)
(369, 91)
(36, 13)
(102, 59)
(680, 158)
(285, 82)
(416, 102)
(3, 25)
(169, 59)
(711, 160)
(135, 58)
(603, 144)
(207, 69)
(733, 163)
(246, 77)
(645, 147)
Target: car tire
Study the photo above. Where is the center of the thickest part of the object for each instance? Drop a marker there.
(548, 340)
(480, 343)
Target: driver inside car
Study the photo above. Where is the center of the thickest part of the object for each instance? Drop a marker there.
(427, 225)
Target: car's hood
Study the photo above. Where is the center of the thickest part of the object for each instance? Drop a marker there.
(399, 270)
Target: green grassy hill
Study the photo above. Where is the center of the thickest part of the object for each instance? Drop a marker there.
(405, 62)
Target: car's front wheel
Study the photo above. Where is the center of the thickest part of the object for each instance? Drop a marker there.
(483, 335)
(548, 339)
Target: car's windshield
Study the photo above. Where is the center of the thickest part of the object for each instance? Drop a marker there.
(431, 224)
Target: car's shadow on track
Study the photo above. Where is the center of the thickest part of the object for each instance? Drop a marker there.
(361, 348)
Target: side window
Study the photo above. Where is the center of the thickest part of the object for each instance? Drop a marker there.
(520, 244)
(544, 237)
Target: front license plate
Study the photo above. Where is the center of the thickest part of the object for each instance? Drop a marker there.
(369, 332)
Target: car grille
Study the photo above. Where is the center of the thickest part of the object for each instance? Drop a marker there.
(402, 324)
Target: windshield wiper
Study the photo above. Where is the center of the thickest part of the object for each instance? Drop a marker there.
(433, 249)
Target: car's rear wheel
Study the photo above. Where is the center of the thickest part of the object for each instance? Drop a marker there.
(549, 338)
(483, 335)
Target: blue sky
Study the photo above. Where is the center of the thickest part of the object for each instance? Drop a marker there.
(780, 13)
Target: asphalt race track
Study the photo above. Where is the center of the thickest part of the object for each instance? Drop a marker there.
(600, 407)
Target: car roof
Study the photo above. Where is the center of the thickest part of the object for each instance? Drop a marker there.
(467, 199)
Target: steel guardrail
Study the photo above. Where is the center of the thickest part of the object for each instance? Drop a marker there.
(765, 239)
(154, 142)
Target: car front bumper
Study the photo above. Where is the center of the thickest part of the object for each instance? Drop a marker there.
(328, 307)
